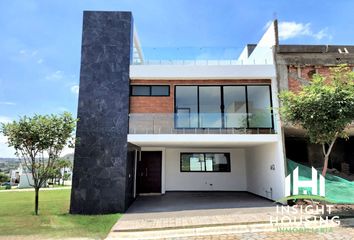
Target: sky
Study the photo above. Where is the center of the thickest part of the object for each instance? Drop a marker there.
(40, 41)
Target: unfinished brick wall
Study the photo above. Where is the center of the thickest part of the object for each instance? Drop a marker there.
(297, 76)
(164, 104)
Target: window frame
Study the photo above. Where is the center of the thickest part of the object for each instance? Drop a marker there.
(150, 90)
(227, 154)
(222, 102)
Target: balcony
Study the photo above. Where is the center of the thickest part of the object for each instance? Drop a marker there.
(202, 123)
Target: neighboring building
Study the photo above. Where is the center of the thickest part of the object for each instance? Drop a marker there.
(15, 176)
(20, 178)
(23, 179)
(186, 126)
(66, 172)
(295, 66)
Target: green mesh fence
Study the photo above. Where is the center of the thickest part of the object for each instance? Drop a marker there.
(338, 190)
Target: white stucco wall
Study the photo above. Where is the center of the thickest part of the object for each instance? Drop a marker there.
(263, 53)
(202, 72)
(25, 180)
(198, 181)
(260, 176)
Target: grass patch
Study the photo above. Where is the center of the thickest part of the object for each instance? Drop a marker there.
(17, 216)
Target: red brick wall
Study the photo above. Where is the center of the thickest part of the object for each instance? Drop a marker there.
(294, 80)
(166, 104)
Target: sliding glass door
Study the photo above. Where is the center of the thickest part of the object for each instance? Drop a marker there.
(186, 106)
(223, 107)
(210, 107)
(259, 107)
(235, 110)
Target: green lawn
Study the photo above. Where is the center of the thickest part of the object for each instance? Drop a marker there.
(17, 218)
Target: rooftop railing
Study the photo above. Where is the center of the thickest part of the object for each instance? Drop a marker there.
(204, 123)
(201, 56)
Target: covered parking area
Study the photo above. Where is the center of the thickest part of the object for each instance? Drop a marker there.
(185, 201)
(221, 162)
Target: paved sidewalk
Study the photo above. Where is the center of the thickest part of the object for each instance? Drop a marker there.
(337, 234)
(193, 218)
(245, 230)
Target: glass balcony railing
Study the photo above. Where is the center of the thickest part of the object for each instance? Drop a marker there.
(202, 123)
(201, 56)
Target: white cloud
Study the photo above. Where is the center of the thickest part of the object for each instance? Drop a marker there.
(3, 139)
(5, 151)
(55, 76)
(28, 53)
(4, 119)
(66, 150)
(59, 75)
(62, 109)
(75, 89)
(7, 103)
(288, 30)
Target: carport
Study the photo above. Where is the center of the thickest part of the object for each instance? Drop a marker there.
(210, 162)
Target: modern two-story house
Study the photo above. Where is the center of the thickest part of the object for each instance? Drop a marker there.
(148, 127)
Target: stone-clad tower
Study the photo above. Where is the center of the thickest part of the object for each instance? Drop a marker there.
(102, 164)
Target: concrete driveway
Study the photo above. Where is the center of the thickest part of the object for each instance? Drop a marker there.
(172, 203)
(177, 211)
(199, 215)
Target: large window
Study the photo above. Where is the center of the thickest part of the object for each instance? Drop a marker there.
(186, 106)
(223, 107)
(150, 90)
(209, 107)
(205, 162)
(259, 107)
(235, 110)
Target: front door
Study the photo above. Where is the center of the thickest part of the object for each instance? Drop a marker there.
(149, 172)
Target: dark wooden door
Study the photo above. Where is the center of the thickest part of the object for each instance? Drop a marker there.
(149, 172)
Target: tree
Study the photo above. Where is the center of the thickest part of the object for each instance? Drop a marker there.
(38, 142)
(59, 171)
(66, 177)
(61, 165)
(4, 177)
(324, 108)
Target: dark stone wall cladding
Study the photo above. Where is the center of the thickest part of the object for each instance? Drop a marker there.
(100, 161)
